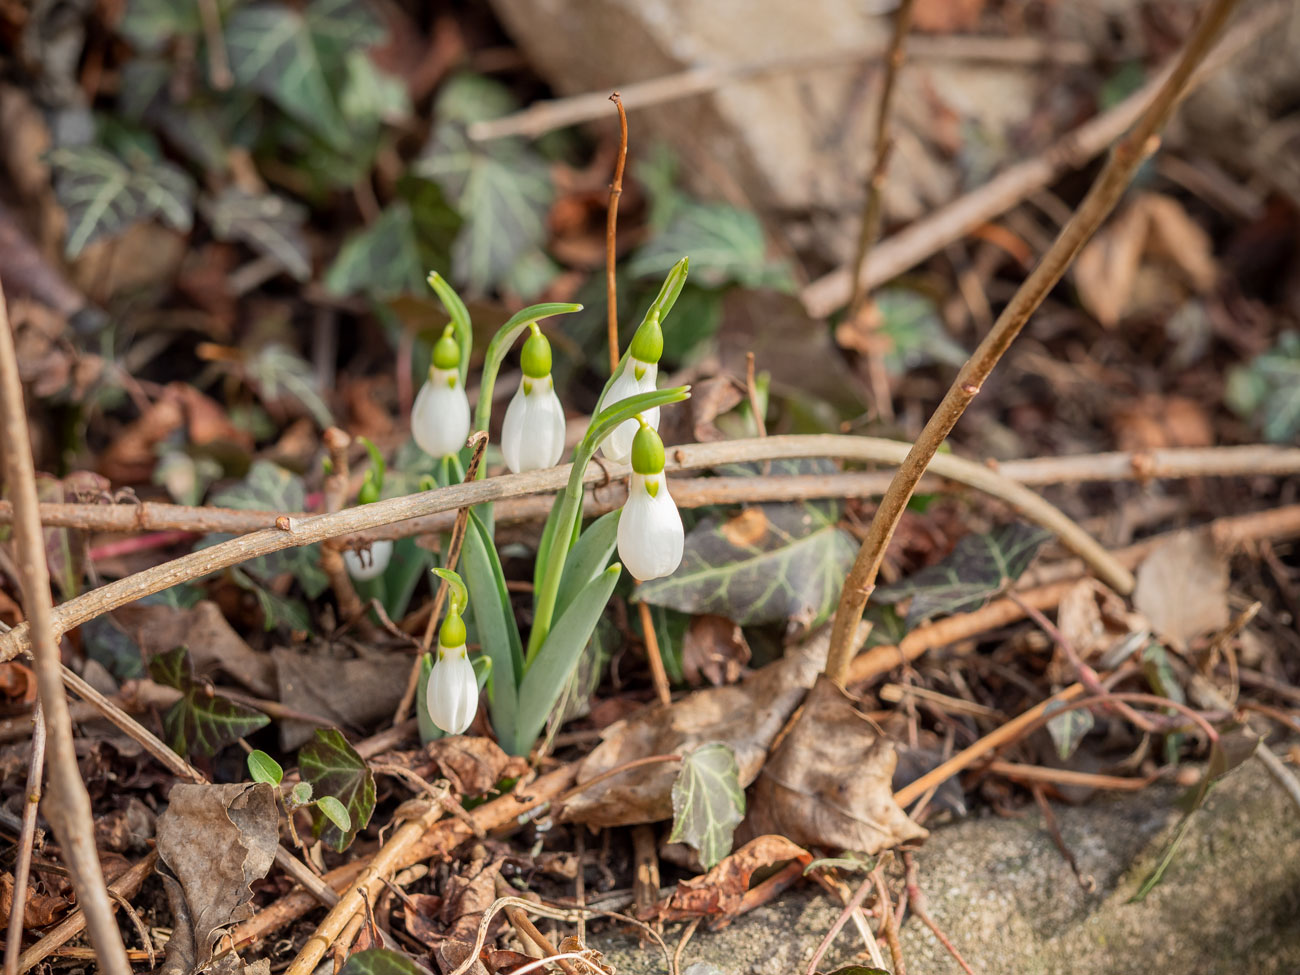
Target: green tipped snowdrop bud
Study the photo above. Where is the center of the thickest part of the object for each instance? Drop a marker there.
(638, 374)
(440, 418)
(452, 693)
(651, 536)
(532, 436)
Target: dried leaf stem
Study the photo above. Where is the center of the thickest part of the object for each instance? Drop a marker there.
(26, 840)
(1101, 199)
(611, 228)
(68, 806)
(872, 208)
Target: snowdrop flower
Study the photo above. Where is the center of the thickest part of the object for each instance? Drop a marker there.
(532, 436)
(440, 418)
(369, 563)
(650, 532)
(452, 694)
(639, 372)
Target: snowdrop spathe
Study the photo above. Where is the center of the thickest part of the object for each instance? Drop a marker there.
(650, 532)
(440, 417)
(532, 436)
(638, 374)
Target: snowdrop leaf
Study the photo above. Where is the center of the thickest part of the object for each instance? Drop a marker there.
(588, 558)
(494, 621)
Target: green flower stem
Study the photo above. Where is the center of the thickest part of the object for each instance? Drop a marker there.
(496, 354)
(459, 319)
(570, 502)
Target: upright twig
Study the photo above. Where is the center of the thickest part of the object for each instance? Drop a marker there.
(68, 808)
(872, 207)
(478, 444)
(888, 923)
(611, 227)
(27, 839)
(1101, 199)
(653, 655)
(336, 487)
(917, 899)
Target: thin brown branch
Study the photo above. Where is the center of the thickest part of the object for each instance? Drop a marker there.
(872, 208)
(917, 900)
(653, 655)
(888, 922)
(26, 840)
(68, 809)
(953, 221)
(854, 904)
(1101, 199)
(611, 229)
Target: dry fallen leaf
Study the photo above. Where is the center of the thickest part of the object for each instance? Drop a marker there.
(17, 684)
(714, 649)
(217, 840)
(718, 893)
(828, 783)
(1092, 618)
(470, 764)
(709, 400)
(1182, 588)
(349, 693)
(746, 716)
(470, 891)
(39, 909)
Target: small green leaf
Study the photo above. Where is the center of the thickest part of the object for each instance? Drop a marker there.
(979, 567)
(1068, 728)
(708, 802)
(200, 722)
(381, 961)
(335, 812)
(263, 768)
(381, 260)
(333, 768)
(272, 50)
(853, 861)
(268, 223)
(1225, 755)
(300, 794)
(428, 730)
(1267, 391)
(553, 666)
(726, 246)
(103, 195)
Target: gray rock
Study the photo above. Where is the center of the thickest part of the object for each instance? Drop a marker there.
(1229, 903)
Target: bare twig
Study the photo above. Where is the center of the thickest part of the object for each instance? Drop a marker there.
(653, 655)
(645, 877)
(611, 227)
(872, 208)
(917, 899)
(26, 840)
(854, 904)
(888, 923)
(68, 808)
(336, 489)
(751, 394)
(1101, 199)
(955, 220)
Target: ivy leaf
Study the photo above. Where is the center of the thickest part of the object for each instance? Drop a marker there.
(708, 802)
(381, 961)
(1267, 391)
(103, 195)
(502, 188)
(277, 372)
(1225, 755)
(369, 96)
(333, 768)
(272, 50)
(916, 334)
(266, 222)
(335, 812)
(979, 567)
(150, 24)
(340, 26)
(770, 562)
(382, 260)
(1068, 728)
(726, 246)
(270, 487)
(200, 722)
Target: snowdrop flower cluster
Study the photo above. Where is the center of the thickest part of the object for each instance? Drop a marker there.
(650, 532)
(440, 417)
(452, 692)
(532, 436)
(640, 371)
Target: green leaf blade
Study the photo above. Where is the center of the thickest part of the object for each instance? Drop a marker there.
(708, 802)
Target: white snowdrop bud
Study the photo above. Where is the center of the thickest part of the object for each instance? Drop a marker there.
(369, 563)
(532, 436)
(650, 532)
(452, 694)
(440, 417)
(639, 374)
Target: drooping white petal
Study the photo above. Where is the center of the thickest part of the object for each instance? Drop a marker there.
(532, 436)
(650, 531)
(371, 562)
(618, 445)
(452, 694)
(440, 417)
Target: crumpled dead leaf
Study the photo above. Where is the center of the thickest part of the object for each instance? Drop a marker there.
(17, 684)
(1182, 588)
(214, 645)
(746, 716)
(471, 765)
(216, 840)
(40, 908)
(1093, 619)
(714, 649)
(718, 893)
(350, 693)
(470, 891)
(828, 783)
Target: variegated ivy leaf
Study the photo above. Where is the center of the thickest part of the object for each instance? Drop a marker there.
(708, 802)
(726, 245)
(979, 567)
(200, 722)
(340, 26)
(150, 24)
(381, 260)
(381, 961)
(103, 195)
(268, 223)
(334, 768)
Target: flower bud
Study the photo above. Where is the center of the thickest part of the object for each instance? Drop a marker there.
(651, 536)
(532, 436)
(369, 563)
(440, 417)
(452, 693)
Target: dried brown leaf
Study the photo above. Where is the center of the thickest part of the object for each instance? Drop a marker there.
(829, 781)
(1092, 618)
(719, 892)
(473, 766)
(470, 891)
(17, 684)
(39, 908)
(348, 693)
(746, 716)
(714, 649)
(420, 910)
(709, 400)
(217, 840)
(1182, 588)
